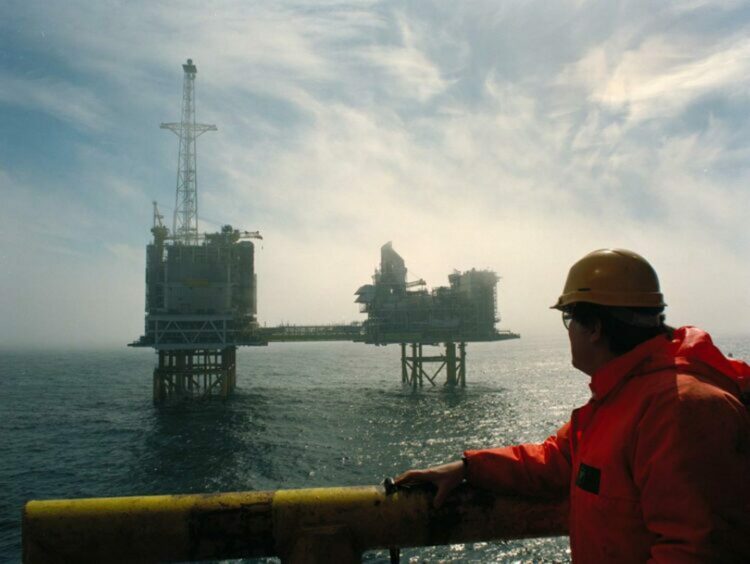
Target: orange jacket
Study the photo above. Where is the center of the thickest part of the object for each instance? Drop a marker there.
(657, 463)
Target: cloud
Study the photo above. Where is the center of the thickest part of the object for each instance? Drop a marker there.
(662, 75)
(130, 254)
(408, 70)
(60, 99)
(683, 69)
(474, 136)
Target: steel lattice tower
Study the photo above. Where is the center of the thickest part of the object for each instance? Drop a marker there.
(185, 223)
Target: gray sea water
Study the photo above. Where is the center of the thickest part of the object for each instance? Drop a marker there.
(82, 424)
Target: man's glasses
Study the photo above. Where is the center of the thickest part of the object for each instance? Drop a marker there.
(567, 317)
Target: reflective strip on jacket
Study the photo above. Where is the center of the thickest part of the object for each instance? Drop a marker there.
(657, 464)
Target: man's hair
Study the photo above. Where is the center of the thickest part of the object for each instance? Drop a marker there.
(624, 327)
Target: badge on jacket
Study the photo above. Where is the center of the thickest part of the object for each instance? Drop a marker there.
(588, 478)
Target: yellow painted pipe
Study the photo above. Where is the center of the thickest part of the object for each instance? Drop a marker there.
(305, 525)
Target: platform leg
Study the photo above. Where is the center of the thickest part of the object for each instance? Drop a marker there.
(450, 363)
(404, 374)
(160, 391)
(195, 373)
(414, 365)
(419, 365)
(462, 364)
(233, 370)
(180, 366)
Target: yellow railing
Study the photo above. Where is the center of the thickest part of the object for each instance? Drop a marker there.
(309, 525)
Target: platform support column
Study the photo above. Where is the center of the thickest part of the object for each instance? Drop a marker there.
(195, 373)
(233, 369)
(160, 386)
(450, 364)
(224, 376)
(404, 365)
(419, 360)
(414, 365)
(179, 358)
(228, 369)
(462, 364)
(452, 360)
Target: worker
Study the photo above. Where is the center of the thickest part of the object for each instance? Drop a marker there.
(657, 464)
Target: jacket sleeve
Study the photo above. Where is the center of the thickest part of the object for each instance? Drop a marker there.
(533, 469)
(691, 467)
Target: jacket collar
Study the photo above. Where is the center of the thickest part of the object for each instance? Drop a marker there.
(618, 369)
(690, 349)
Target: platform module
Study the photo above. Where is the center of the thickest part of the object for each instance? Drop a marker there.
(406, 313)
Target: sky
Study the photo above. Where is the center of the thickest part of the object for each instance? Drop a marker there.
(513, 136)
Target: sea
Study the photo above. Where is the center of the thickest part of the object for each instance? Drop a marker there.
(81, 423)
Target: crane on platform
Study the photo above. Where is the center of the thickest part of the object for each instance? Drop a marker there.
(157, 216)
(251, 235)
(159, 224)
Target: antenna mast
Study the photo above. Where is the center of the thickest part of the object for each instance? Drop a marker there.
(185, 222)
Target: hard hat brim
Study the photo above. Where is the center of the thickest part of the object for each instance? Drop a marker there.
(613, 299)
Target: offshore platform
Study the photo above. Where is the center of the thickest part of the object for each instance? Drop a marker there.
(200, 288)
(201, 297)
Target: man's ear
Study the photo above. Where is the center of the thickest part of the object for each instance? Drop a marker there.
(595, 335)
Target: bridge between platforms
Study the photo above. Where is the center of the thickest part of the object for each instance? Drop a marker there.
(358, 333)
(307, 333)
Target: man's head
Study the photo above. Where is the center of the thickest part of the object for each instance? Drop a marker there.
(611, 303)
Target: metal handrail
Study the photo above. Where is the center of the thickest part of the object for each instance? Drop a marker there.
(306, 525)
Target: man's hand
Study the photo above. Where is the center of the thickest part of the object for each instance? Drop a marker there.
(445, 477)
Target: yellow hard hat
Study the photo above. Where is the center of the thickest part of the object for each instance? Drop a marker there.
(612, 277)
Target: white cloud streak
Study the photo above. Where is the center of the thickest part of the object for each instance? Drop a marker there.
(62, 100)
(663, 75)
